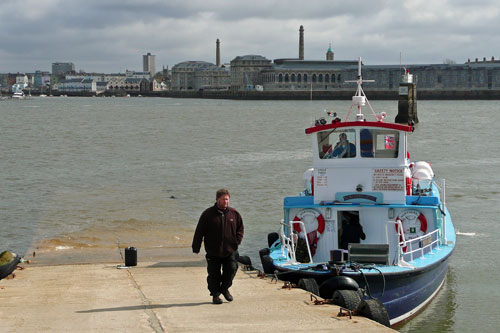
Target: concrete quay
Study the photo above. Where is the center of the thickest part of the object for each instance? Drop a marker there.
(158, 297)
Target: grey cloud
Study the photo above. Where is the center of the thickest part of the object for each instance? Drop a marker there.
(112, 35)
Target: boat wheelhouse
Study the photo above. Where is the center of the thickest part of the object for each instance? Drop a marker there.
(370, 223)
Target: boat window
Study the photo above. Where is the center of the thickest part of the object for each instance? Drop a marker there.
(379, 143)
(337, 143)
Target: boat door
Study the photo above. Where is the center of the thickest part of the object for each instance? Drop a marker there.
(349, 228)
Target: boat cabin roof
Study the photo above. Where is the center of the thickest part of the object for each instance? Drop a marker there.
(380, 124)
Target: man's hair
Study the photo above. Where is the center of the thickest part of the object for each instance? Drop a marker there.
(222, 192)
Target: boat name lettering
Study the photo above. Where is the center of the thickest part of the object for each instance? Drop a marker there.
(360, 196)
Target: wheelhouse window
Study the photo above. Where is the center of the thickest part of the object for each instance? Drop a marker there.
(337, 143)
(379, 143)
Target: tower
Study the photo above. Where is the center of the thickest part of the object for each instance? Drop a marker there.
(329, 53)
(217, 53)
(301, 43)
(148, 64)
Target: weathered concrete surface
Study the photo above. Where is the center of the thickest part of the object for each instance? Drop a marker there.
(162, 296)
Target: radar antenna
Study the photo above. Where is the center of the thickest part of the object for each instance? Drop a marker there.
(359, 99)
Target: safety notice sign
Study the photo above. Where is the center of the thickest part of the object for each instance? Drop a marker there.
(388, 179)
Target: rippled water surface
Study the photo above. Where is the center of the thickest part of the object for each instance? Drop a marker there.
(78, 173)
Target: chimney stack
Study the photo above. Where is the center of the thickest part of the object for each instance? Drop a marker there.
(301, 43)
(217, 53)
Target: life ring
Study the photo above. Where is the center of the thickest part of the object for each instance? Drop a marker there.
(317, 215)
(313, 236)
(414, 225)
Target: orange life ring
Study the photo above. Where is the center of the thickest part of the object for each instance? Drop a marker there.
(411, 216)
(314, 235)
(318, 216)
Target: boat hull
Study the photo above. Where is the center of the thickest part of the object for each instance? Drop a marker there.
(403, 293)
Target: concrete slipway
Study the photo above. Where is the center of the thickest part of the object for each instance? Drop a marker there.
(158, 297)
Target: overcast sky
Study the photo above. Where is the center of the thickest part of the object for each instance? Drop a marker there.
(112, 35)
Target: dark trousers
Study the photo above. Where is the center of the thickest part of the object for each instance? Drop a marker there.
(217, 281)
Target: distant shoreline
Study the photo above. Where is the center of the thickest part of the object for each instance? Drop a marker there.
(299, 95)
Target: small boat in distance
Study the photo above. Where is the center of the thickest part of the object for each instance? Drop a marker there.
(371, 231)
(18, 95)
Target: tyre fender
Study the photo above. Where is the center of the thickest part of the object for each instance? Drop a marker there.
(374, 309)
(267, 261)
(272, 238)
(327, 288)
(309, 284)
(348, 299)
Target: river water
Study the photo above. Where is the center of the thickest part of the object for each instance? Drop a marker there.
(98, 173)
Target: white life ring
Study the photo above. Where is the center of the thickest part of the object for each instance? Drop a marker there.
(414, 225)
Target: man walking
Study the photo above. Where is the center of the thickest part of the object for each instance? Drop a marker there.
(221, 229)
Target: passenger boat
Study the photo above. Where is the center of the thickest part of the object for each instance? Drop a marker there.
(371, 230)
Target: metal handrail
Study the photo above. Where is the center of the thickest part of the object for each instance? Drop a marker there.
(289, 242)
(409, 243)
(400, 234)
(442, 195)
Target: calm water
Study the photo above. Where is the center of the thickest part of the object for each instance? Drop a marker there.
(81, 173)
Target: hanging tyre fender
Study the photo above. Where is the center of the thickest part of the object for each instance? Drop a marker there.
(348, 299)
(266, 260)
(272, 238)
(327, 288)
(374, 309)
(309, 285)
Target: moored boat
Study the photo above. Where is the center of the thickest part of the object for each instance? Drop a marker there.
(19, 95)
(371, 230)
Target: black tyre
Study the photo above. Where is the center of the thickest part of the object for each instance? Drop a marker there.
(361, 293)
(271, 238)
(267, 261)
(244, 260)
(374, 310)
(264, 251)
(348, 299)
(309, 285)
(327, 288)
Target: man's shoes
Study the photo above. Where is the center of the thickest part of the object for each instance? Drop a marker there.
(216, 300)
(227, 295)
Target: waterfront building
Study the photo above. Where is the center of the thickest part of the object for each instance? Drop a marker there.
(76, 86)
(199, 75)
(128, 85)
(246, 71)
(148, 64)
(101, 87)
(4, 82)
(41, 79)
(22, 78)
(330, 74)
(61, 68)
(138, 75)
(296, 74)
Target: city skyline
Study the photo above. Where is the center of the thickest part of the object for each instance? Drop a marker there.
(112, 36)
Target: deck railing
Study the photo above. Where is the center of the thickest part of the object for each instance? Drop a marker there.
(413, 247)
(442, 193)
(289, 241)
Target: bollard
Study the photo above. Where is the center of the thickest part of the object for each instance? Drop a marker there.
(130, 256)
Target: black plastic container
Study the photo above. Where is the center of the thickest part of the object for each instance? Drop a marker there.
(130, 256)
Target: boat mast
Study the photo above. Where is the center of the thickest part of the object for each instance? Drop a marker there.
(359, 99)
